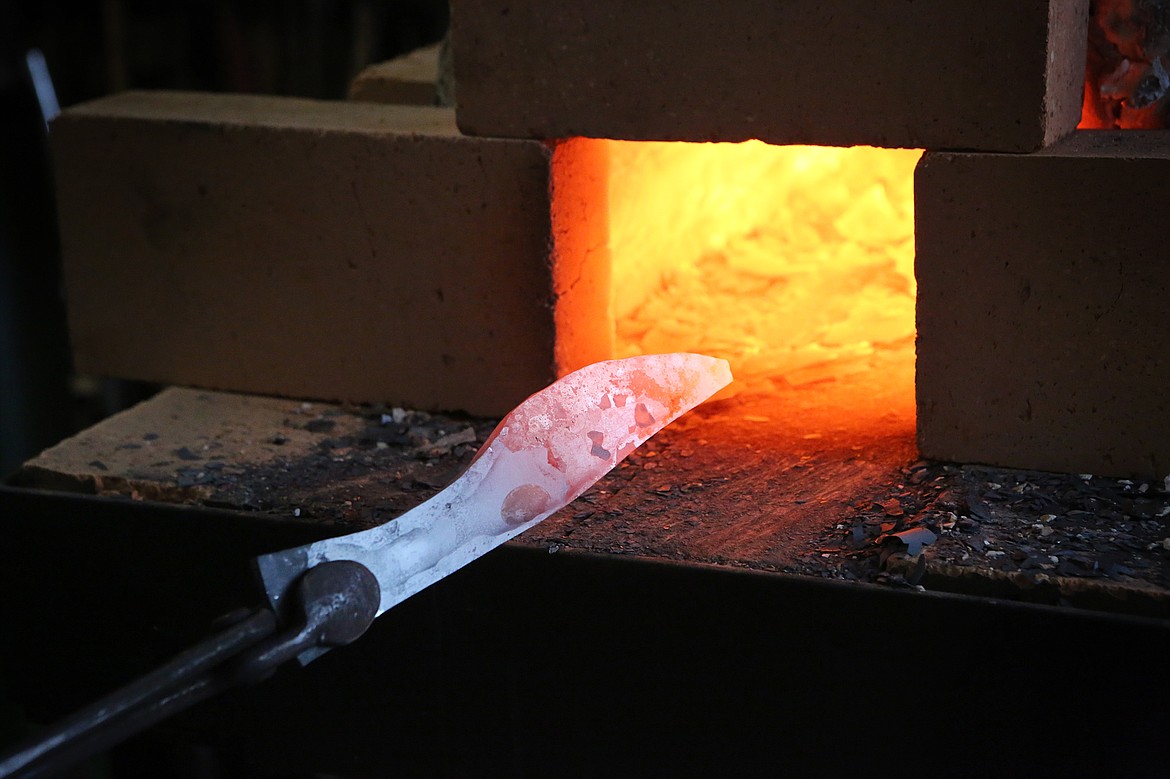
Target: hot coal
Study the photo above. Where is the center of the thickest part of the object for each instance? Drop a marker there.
(1128, 74)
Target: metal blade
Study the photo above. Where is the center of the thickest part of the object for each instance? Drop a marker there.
(546, 452)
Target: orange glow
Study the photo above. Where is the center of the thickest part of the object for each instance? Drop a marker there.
(1092, 114)
(795, 263)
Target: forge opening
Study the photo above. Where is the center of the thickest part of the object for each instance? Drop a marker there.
(795, 263)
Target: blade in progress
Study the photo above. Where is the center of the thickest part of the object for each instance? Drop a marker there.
(546, 452)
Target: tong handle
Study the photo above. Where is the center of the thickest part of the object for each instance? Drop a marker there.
(337, 601)
(124, 712)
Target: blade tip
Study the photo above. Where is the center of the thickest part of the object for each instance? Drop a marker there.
(715, 370)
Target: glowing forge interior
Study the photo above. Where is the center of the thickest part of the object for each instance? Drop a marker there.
(795, 263)
(789, 261)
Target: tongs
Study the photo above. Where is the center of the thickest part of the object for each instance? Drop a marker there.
(542, 456)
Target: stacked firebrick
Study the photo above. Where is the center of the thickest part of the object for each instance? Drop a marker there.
(446, 258)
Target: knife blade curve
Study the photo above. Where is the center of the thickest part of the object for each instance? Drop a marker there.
(541, 456)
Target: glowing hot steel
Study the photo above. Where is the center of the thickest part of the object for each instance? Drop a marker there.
(793, 262)
(542, 456)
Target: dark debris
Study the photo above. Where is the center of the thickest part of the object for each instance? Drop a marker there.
(396, 461)
(1030, 526)
(931, 528)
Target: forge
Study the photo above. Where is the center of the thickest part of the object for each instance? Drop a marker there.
(881, 306)
(949, 355)
(795, 263)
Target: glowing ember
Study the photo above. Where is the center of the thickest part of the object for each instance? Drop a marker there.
(789, 261)
(1127, 78)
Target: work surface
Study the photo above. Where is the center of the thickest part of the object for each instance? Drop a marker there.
(780, 482)
(625, 646)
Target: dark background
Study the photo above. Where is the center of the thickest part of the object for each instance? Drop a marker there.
(307, 48)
